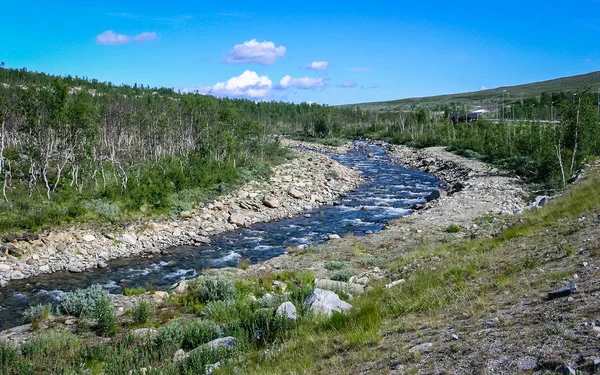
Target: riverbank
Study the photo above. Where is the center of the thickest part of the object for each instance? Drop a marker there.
(307, 181)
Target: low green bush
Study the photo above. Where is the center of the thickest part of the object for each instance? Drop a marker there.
(189, 334)
(335, 265)
(142, 313)
(344, 275)
(83, 302)
(211, 288)
(37, 313)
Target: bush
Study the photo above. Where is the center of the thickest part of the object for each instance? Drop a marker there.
(105, 210)
(134, 291)
(453, 228)
(334, 265)
(105, 316)
(142, 313)
(211, 288)
(266, 327)
(83, 302)
(37, 313)
(188, 334)
(344, 275)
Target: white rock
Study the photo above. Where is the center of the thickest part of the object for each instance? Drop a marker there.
(17, 275)
(179, 355)
(4, 267)
(421, 347)
(45, 268)
(89, 238)
(129, 238)
(394, 283)
(326, 302)
(295, 193)
(287, 309)
(333, 237)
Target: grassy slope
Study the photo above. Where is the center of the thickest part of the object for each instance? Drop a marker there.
(526, 90)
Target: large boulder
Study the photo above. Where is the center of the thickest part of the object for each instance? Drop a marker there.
(325, 302)
(288, 310)
(339, 285)
(271, 202)
(238, 218)
(129, 238)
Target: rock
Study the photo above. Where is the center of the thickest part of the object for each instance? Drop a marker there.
(181, 287)
(394, 283)
(3, 283)
(527, 363)
(433, 196)
(562, 292)
(325, 302)
(227, 342)
(333, 237)
(370, 154)
(457, 187)
(45, 268)
(11, 249)
(454, 337)
(89, 238)
(4, 267)
(421, 347)
(186, 214)
(339, 285)
(271, 202)
(129, 238)
(288, 310)
(566, 370)
(238, 218)
(102, 264)
(295, 193)
(17, 275)
(145, 332)
(177, 232)
(179, 355)
(159, 296)
(540, 201)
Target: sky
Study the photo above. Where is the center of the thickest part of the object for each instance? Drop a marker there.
(330, 52)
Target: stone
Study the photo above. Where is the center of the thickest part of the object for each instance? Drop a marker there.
(325, 302)
(45, 268)
(177, 232)
(179, 355)
(145, 332)
(61, 247)
(562, 292)
(271, 202)
(370, 154)
(4, 267)
(339, 285)
(89, 238)
(11, 249)
(238, 219)
(540, 201)
(102, 264)
(457, 187)
(566, 370)
(394, 283)
(17, 275)
(227, 342)
(186, 214)
(527, 363)
(454, 337)
(333, 237)
(433, 196)
(421, 347)
(288, 310)
(129, 238)
(3, 283)
(181, 287)
(295, 193)
(212, 367)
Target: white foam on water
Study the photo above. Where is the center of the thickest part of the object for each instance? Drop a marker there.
(231, 256)
(253, 239)
(181, 274)
(111, 285)
(55, 294)
(20, 296)
(2, 308)
(264, 247)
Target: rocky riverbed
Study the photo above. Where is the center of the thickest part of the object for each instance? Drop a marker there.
(309, 180)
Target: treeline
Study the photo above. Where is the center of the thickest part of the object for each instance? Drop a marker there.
(544, 152)
(74, 149)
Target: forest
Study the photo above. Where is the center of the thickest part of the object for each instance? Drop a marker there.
(75, 149)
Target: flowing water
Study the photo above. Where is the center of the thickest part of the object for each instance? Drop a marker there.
(389, 192)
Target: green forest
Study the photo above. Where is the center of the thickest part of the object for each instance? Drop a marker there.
(75, 149)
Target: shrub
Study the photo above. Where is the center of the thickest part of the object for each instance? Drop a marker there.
(105, 316)
(266, 327)
(104, 210)
(83, 302)
(142, 313)
(367, 261)
(344, 275)
(37, 313)
(243, 264)
(334, 265)
(188, 334)
(453, 228)
(134, 291)
(211, 288)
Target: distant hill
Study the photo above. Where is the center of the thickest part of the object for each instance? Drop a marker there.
(489, 97)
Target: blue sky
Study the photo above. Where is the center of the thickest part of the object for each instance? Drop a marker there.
(331, 52)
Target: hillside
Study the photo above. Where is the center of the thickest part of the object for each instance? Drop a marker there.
(490, 96)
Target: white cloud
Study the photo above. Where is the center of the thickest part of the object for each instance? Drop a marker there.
(145, 37)
(301, 83)
(484, 87)
(264, 53)
(348, 85)
(319, 66)
(109, 38)
(247, 85)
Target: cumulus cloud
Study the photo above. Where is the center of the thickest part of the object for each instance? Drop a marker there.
(264, 53)
(247, 85)
(145, 37)
(360, 69)
(318, 66)
(484, 87)
(301, 83)
(348, 85)
(110, 38)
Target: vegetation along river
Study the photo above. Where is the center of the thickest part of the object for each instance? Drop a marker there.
(389, 192)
